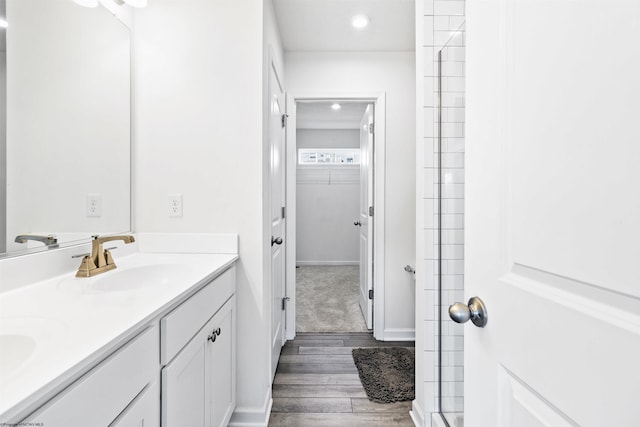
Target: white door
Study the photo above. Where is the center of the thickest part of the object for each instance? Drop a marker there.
(365, 221)
(277, 194)
(553, 213)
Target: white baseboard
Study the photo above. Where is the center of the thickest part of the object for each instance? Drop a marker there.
(417, 416)
(329, 263)
(253, 416)
(436, 420)
(399, 334)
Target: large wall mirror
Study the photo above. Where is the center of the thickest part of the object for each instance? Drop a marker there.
(65, 144)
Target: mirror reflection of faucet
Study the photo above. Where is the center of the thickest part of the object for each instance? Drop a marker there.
(100, 259)
(50, 240)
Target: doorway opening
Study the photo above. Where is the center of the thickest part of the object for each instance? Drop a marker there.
(330, 197)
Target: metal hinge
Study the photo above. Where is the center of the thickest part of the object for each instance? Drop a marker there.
(284, 211)
(284, 120)
(371, 128)
(284, 302)
(370, 293)
(370, 210)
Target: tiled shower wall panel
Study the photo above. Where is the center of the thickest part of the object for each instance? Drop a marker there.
(441, 19)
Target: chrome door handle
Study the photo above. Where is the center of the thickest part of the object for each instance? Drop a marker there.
(474, 310)
(357, 223)
(276, 240)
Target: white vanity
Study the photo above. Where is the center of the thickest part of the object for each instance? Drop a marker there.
(150, 343)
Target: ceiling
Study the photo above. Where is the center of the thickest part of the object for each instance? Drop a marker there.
(325, 25)
(320, 115)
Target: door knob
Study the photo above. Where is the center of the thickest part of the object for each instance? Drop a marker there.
(276, 240)
(357, 223)
(474, 310)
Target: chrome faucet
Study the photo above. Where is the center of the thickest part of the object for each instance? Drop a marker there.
(100, 259)
(48, 240)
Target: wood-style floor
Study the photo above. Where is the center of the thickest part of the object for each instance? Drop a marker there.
(317, 384)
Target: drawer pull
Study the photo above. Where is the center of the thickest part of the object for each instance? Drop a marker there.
(214, 335)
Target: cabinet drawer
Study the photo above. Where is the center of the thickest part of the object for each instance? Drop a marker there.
(99, 396)
(144, 411)
(179, 326)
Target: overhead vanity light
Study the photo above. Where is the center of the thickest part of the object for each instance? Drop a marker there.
(336, 106)
(360, 21)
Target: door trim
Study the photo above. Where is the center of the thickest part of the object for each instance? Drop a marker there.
(379, 101)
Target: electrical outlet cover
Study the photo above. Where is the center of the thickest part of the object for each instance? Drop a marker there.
(175, 205)
(94, 205)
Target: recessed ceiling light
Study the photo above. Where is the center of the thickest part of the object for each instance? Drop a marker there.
(359, 21)
(336, 106)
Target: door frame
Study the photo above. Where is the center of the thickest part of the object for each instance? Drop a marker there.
(379, 101)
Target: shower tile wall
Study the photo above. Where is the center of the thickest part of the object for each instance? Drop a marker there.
(441, 19)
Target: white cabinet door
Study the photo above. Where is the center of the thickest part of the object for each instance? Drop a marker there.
(198, 385)
(186, 382)
(221, 357)
(553, 213)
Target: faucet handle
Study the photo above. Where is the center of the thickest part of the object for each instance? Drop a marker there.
(108, 257)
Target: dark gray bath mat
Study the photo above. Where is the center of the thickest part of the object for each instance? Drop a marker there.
(387, 373)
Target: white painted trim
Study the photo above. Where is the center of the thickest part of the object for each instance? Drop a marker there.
(417, 416)
(379, 144)
(290, 203)
(327, 263)
(379, 99)
(253, 416)
(400, 334)
(436, 420)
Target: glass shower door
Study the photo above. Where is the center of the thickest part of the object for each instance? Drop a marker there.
(450, 216)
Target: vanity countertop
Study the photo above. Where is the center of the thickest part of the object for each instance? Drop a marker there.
(55, 329)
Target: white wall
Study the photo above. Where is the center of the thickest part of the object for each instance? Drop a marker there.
(199, 131)
(68, 118)
(394, 74)
(327, 202)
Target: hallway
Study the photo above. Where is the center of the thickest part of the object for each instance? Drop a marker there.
(317, 384)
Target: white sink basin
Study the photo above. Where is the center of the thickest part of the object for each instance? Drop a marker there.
(143, 276)
(16, 350)
(21, 338)
(127, 278)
